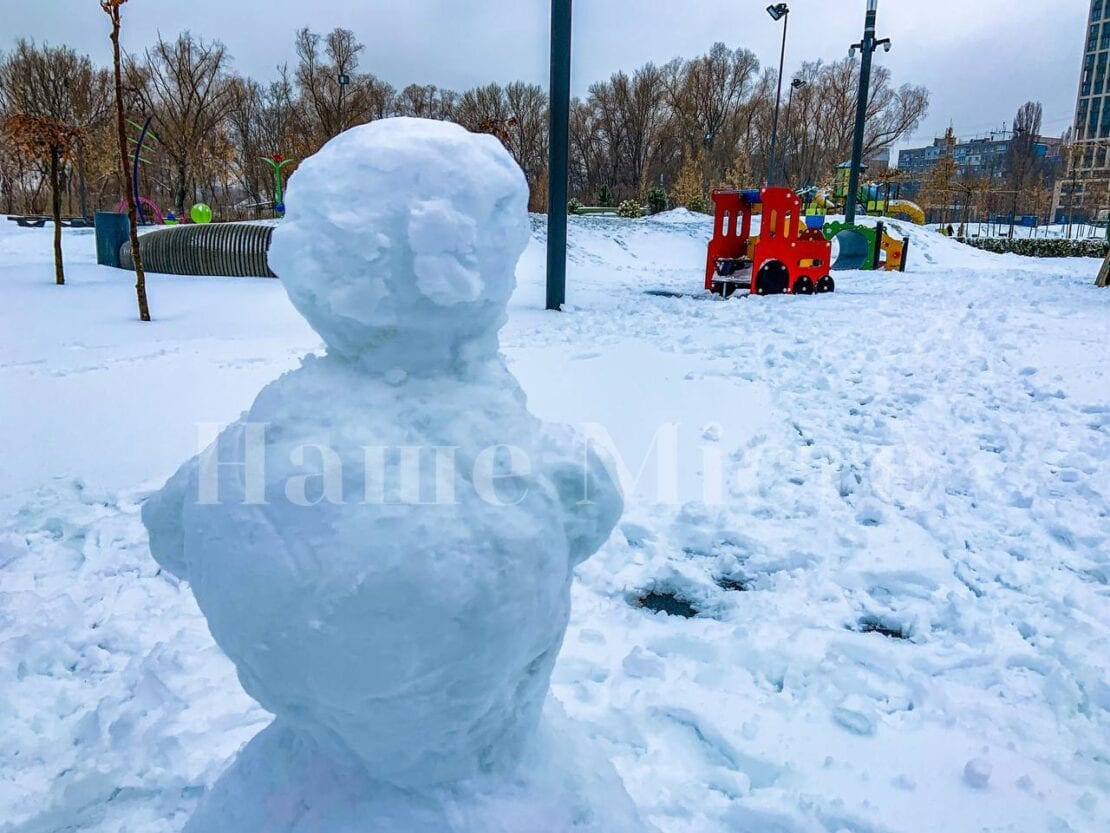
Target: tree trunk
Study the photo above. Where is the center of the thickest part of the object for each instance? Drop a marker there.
(56, 206)
(182, 189)
(132, 213)
(82, 181)
(1103, 279)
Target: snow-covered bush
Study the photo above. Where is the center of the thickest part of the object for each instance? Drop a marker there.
(574, 206)
(631, 209)
(656, 200)
(1040, 247)
(698, 204)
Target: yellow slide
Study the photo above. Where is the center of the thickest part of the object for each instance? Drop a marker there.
(823, 200)
(909, 210)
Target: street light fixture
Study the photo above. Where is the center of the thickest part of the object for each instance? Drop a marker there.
(777, 11)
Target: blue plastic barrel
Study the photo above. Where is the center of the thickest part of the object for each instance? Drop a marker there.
(112, 231)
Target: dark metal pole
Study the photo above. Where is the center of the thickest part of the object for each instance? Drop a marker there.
(778, 102)
(558, 160)
(1071, 190)
(796, 84)
(135, 168)
(786, 130)
(867, 47)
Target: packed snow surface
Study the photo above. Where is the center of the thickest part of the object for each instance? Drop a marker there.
(901, 592)
(401, 617)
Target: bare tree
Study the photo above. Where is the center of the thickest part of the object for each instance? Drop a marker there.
(184, 85)
(891, 113)
(517, 115)
(527, 139)
(426, 102)
(335, 93)
(709, 97)
(1027, 170)
(58, 83)
(112, 9)
(51, 141)
(632, 114)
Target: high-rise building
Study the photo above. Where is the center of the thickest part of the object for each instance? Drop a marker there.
(1083, 188)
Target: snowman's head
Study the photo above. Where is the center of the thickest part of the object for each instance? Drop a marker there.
(400, 242)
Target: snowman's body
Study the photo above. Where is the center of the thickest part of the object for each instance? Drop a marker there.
(400, 619)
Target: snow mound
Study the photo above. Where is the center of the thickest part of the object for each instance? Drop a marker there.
(383, 544)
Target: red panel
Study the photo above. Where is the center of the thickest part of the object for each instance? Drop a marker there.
(732, 226)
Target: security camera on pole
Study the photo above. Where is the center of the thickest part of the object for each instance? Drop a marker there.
(864, 247)
(867, 47)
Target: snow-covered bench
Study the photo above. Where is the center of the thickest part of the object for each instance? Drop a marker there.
(38, 221)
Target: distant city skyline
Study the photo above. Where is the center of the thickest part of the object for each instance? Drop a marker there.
(974, 58)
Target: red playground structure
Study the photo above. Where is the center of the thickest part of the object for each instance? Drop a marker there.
(790, 255)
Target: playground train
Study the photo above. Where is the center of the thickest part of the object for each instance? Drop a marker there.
(793, 252)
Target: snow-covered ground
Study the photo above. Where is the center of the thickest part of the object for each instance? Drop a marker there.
(902, 587)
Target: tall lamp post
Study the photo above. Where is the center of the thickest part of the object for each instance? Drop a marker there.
(558, 159)
(777, 11)
(796, 84)
(867, 47)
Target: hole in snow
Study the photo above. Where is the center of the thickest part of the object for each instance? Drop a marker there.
(734, 585)
(891, 630)
(664, 601)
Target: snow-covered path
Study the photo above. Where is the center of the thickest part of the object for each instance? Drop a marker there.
(903, 595)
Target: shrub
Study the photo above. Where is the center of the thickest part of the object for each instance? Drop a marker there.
(1040, 247)
(631, 209)
(604, 196)
(698, 204)
(574, 206)
(656, 200)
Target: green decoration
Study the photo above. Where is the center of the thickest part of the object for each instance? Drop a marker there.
(277, 162)
(201, 214)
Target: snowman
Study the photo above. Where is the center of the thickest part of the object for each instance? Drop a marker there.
(383, 544)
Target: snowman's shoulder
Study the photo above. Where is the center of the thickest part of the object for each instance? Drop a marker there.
(587, 485)
(163, 517)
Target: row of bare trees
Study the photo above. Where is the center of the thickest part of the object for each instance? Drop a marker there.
(700, 121)
(713, 114)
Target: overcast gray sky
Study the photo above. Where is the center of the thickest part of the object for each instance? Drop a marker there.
(980, 58)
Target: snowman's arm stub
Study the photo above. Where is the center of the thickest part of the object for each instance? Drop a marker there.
(588, 490)
(163, 518)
